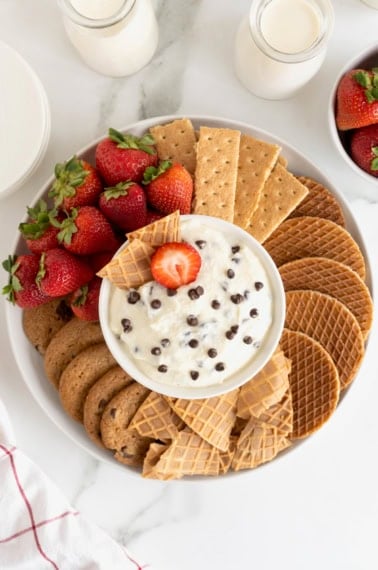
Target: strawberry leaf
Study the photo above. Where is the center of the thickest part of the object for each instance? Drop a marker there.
(68, 176)
(374, 162)
(369, 82)
(128, 141)
(14, 285)
(82, 296)
(67, 227)
(153, 172)
(41, 220)
(118, 190)
(41, 271)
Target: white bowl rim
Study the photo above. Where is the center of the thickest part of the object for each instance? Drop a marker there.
(239, 377)
(366, 52)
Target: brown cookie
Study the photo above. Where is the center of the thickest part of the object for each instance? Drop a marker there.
(41, 323)
(80, 374)
(119, 412)
(98, 397)
(68, 342)
(133, 448)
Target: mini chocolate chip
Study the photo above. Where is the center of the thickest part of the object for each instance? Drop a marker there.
(235, 259)
(194, 374)
(171, 292)
(237, 298)
(259, 285)
(229, 334)
(165, 342)
(215, 304)
(126, 325)
(248, 340)
(156, 351)
(133, 297)
(195, 293)
(234, 328)
(253, 313)
(163, 368)
(102, 403)
(246, 293)
(235, 248)
(200, 243)
(155, 304)
(230, 273)
(220, 366)
(113, 412)
(212, 352)
(193, 343)
(192, 321)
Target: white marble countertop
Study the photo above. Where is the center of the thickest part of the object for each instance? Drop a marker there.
(316, 507)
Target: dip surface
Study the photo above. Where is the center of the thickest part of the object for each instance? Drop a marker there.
(201, 333)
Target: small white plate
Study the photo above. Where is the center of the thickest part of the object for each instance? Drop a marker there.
(30, 362)
(24, 120)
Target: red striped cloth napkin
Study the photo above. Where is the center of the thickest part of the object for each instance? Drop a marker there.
(39, 529)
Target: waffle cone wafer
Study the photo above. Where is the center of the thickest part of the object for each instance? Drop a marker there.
(211, 418)
(152, 457)
(319, 202)
(225, 457)
(329, 322)
(188, 454)
(161, 231)
(314, 237)
(131, 267)
(332, 278)
(266, 388)
(156, 419)
(257, 444)
(280, 415)
(314, 382)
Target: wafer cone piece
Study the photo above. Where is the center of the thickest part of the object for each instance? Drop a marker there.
(329, 322)
(257, 444)
(131, 267)
(226, 457)
(314, 383)
(319, 202)
(280, 415)
(332, 278)
(161, 231)
(188, 454)
(308, 236)
(156, 419)
(152, 457)
(266, 388)
(211, 418)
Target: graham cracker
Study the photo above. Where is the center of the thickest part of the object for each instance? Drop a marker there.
(216, 172)
(256, 161)
(176, 141)
(281, 193)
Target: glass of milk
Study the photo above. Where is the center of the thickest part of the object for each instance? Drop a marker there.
(281, 45)
(113, 37)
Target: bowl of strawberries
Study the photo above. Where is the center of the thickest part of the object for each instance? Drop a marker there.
(353, 113)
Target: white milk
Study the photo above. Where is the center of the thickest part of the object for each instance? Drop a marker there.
(281, 45)
(107, 42)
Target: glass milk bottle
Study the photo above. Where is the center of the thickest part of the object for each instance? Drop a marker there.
(281, 45)
(113, 37)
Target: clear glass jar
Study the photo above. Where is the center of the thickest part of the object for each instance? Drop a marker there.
(281, 45)
(113, 37)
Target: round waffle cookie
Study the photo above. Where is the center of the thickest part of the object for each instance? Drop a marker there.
(314, 237)
(332, 278)
(332, 324)
(314, 382)
(319, 202)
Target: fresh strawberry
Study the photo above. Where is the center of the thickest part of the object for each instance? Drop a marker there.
(124, 205)
(39, 232)
(123, 157)
(174, 264)
(76, 184)
(22, 288)
(60, 272)
(84, 301)
(86, 231)
(152, 216)
(364, 148)
(357, 99)
(169, 187)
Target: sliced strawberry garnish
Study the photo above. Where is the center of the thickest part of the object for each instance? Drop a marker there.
(174, 264)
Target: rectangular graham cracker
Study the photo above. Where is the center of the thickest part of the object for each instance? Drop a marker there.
(256, 161)
(281, 193)
(176, 141)
(216, 172)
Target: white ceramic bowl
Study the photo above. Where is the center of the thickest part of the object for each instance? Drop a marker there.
(365, 59)
(243, 374)
(30, 362)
